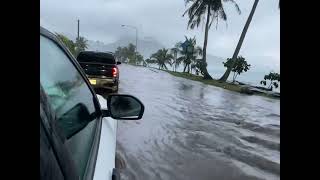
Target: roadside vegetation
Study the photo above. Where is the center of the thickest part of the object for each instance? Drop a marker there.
(217, 83)
(129, 55)
(273, 79)
(74, 47)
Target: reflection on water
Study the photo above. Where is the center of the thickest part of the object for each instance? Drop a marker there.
(195, 131)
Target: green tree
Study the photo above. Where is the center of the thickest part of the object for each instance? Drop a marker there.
(151, 61)
(175, 51)
(197, 65)
(68, 43)
(118, 54)
(162, 57)
(81, 44)
(189, 53)
(274, 79)
(242, 36)
(136, 60)
(208, 10)
(128, 53)
(240, 66)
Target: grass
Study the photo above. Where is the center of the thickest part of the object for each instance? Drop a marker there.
(225, 85)
(214, 82)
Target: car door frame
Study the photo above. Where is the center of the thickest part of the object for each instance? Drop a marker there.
(91, 163)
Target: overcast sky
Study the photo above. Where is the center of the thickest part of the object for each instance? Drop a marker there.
(101, 20)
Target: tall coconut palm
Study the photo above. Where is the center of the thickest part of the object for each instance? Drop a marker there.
(162, 57)
(242, 36)
(188, 57)
(212, 9)
(175, 51)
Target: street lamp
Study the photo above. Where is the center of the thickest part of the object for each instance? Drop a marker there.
(136, 38)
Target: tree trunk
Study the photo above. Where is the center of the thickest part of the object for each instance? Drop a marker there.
(270, 85)
(175, 62)
(184, 69)
(234, 77)
(243, 34)
(172, 64)
(204, 55)
(188, 68)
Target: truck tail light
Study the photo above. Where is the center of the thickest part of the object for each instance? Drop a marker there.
(114, 72)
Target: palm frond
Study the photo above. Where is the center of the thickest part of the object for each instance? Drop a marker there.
(235, 4)
(222, 14)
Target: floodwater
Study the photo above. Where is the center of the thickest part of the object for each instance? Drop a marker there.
(193, 131)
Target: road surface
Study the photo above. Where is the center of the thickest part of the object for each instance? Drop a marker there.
(195, 131)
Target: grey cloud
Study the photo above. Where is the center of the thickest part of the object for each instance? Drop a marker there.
(102, 19)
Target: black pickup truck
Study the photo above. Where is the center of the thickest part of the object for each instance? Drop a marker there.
(101, 69)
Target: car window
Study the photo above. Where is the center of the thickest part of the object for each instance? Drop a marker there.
(49, 166)
(71, 100)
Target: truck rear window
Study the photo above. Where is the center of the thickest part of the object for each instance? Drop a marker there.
(96, 57)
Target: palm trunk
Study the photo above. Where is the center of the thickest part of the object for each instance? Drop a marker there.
(243, 34)
(184, 69)
(204, 55)
(175, 62)
(172, 64)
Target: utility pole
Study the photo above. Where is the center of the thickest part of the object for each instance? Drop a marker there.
(78, 29)
(136, 45)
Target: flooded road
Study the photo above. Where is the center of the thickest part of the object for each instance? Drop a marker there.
(193, 131)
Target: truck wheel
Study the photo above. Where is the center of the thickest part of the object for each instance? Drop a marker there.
(116, 89)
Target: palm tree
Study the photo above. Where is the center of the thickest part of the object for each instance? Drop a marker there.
(213, 9)
(242, 36)
(162, 57)
(81, 44)
(188, 57)
(175, 50)
(119, 54)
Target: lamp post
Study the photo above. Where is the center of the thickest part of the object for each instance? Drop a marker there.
(136, 38)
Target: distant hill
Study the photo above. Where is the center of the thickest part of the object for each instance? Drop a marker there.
(146, 46)
(149, 45)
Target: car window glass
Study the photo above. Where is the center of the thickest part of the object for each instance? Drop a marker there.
(70, 98)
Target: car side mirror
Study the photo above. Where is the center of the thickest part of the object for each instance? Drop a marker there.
(75, 120)
(118, 62)
(126, 107)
